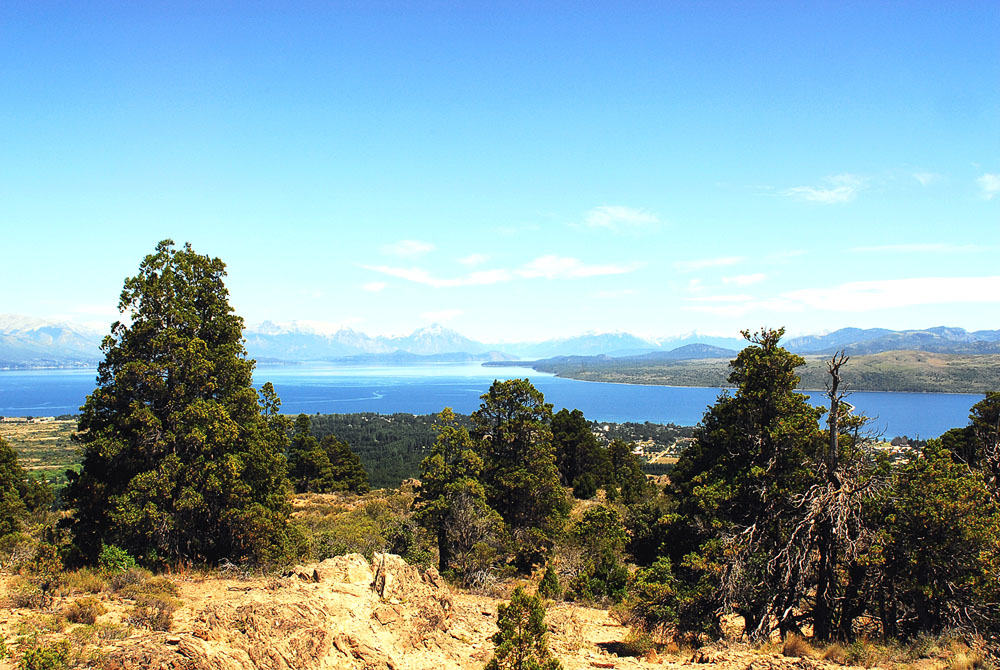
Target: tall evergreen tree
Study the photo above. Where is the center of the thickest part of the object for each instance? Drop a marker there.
(736, 484)
(512, 428)
(578, 453)
(12, 484)
(309, 466)
(182, 460)
(451, 470)
(346, 470)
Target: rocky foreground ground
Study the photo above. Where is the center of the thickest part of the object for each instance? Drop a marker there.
(349, 613)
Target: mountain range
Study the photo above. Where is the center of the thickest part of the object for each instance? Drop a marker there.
(30, 342)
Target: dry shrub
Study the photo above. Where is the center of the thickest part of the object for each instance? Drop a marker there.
(796, 646)
(835, 653)
(85, 610)
(84, 580)
(26, 594)
(865, 653)
(130, 577)
(967, 660)
(638, 643)
(112, 631)
(153, 612)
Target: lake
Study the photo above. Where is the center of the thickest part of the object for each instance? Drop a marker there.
(427, 388)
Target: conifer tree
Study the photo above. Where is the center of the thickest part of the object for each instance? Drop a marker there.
(520, 640)
(309, 466)
(12, 481)
(182, 459)
(512, 428)
(450, 470)
(346, 470)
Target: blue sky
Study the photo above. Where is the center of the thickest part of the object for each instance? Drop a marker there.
(512, 170)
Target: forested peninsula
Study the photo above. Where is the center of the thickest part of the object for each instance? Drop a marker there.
(901, 371)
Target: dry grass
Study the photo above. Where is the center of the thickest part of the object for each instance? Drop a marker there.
(796, 646)
(85, 610)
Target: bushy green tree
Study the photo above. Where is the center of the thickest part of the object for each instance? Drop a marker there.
(520, 640)
(736, 486)
(520, 477)
(308, 465)
(12, 484)
(601, 534)
(182, 459)
(346, 470)
(452, 469)
(939, 561)
(978, 443)
(582, 461)
(20, 494)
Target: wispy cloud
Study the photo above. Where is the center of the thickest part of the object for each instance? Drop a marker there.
(745, 280)
(617, 217)
(374, 286)
(442, 315)
(863, 296)
(927, 178)
(474, 259)
(989, 185)
(561, 267)
(920, 248)
(836, 189)
(543, 267)
(702, 263)
(407, 248)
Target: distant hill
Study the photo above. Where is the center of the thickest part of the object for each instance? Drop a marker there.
(28, 342)
(941, 340)
(914, 371)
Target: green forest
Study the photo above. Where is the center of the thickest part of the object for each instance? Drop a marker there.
(778, 512)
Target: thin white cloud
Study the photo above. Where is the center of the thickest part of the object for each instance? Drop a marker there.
(837, 189)
(543, 267)
(617, 217)
(745, 280)
(374, 286)
(920, 248)
(927, 178)
(989, 185)
(442, 315)
(561, 267)
(407, 248)
(474, 259)
(703, 263)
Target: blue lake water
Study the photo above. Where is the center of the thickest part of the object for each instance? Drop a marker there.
(427, 388)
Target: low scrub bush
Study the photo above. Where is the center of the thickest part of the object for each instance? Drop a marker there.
(132, 577)
(85, 610)
(549, 586)
(84, 580)
(796, 646)
(153, 612)
(54, 656)
(115, 560)
(637, 643)
(157, 587)
(26, 594)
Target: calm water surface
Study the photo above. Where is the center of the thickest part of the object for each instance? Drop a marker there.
(427, 388)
